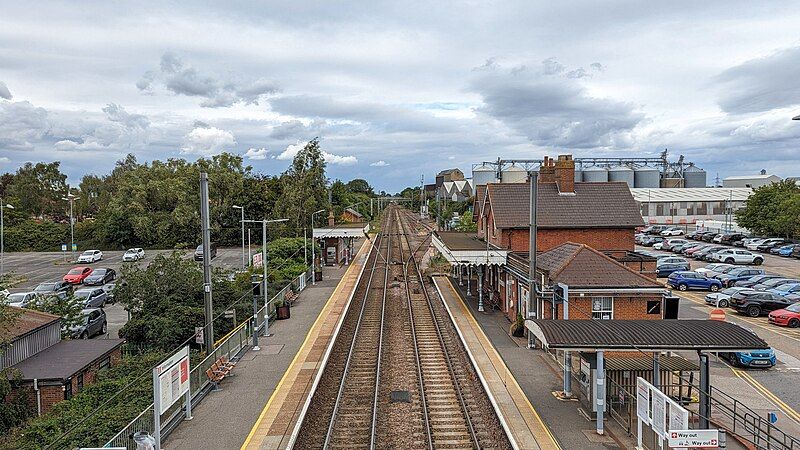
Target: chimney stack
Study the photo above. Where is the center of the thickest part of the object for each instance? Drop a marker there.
(330, 218)
(547, 173)
(565, 174)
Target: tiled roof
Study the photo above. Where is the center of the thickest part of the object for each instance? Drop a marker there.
(26, 321)
(594, 205)
(478, 201)
(581, 266)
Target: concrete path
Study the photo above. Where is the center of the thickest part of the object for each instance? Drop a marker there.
(223, 419)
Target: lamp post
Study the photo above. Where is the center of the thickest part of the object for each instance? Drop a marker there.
(71, 199)
(264, 223)
(244, 264)
(3, 205)
(313, 249)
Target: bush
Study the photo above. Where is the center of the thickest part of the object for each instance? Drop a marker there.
(32, 236)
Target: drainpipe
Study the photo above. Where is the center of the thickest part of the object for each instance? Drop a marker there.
(38, 397)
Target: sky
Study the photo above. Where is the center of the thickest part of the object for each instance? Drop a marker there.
(396, 90)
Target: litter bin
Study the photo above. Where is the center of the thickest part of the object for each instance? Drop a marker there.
(144, 441)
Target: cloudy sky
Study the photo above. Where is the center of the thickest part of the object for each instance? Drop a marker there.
(398, 89)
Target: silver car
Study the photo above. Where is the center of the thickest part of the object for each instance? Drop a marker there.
(92, 297)
(133, 254)
(21, 299)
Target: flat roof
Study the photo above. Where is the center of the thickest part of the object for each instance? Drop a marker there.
(654, 195)
(647, 335)
(66, 358)
(457, 240)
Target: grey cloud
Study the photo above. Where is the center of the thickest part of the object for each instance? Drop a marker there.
(21, 125)
(116, 113)
(4, 92)
(183, 79)
(761, 84)
(555, 110)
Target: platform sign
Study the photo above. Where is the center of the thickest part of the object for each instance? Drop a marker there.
(659, 422)
(257, 260)
(655, 409)
(173, 378)
(63, 247)
(693, 439)
(642, 400)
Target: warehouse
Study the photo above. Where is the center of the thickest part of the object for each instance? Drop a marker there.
(689, 205)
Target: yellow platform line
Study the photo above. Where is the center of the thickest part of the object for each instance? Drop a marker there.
(289, 370)
(766, 393)
(507, 373)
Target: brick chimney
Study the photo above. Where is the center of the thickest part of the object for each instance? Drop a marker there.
(565, 174)
(330, 218)
(547, 173)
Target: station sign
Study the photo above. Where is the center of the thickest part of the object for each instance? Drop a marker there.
(258, 260)
(693, 438)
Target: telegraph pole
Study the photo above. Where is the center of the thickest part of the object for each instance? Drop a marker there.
(208, 332)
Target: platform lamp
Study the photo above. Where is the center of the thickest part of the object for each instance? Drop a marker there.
(71, 199)
(3, 206)
(313, 247)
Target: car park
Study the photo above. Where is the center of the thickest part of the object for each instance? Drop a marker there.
(715, 267)
(690, 251)
(92, 297)
(198, 253)
(21, 299)
(90, 256)
(729, 238)
(133, 254)
(685, 280)
(678, 248)
(757, 303)
(753, 245)
(100, 276)
(719, 271)
(738, 274)
(664, 270)
(786, 317)
(93, 323)
(654, 229)
(77, 274)
(708, 237)
(52, 287)
(737, 256)
(722, 298)
(669, 243)
(785, 290)
(763, 359)
(773, 283)
(757, 280)
(672, 231)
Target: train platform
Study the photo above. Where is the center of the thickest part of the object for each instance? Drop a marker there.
(533, 375)
(268, 382)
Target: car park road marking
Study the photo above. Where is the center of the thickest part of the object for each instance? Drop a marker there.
(766, 393)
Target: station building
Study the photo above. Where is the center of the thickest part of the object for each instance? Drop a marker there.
(336, 241)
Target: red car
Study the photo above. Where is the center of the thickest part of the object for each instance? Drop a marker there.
(786, 317)
(77, 274)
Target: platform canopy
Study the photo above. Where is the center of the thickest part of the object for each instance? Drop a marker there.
(646, 335)
(467, 249)
(344, 230)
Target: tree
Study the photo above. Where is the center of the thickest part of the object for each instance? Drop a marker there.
(39, 189)
(772, 210)
(360, 186)
(67, 307)
(465, 222)
(304, 186)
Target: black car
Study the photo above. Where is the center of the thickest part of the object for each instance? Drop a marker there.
(730, 238)
(53, 287)
(757, 303)
(705, 254)
(770, 244)
(664, 270)
(100, 276)
(757, 280)
(198, 253)
(708, 237)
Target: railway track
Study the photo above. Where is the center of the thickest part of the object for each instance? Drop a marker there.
(399, 377)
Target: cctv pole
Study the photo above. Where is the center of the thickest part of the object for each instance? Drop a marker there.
(208, 332)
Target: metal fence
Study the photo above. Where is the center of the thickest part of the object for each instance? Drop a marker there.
(232, 346)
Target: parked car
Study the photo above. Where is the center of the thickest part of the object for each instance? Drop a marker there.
(763, 359)
(757, 303)
(90, 256)
(719, 271)
(782, 250)
(769, 244)
(695, 247)
(650, 241)
(654, 229)
(685, 280)
(94, 322)
(736, 256)
(704, 253)
(773, 283)
(738, 274)
(52, 287)
(715, 267)
(198, 253)
(722, 298)
(669, 243)
(786, 317)
(753, 245)
(637, 238)
(659, 245)
(672, 231)
(757, 279)
(669, 259)
(708, 237)
(664, 270)
(796, 251)
(786, 289)
(21, 299)
(92, 297)
(100, 276)
(678, 248)
(77, 274)
(730, 238)
(133, 254)
(110, 288)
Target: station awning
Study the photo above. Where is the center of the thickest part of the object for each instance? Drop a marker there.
(646, 335)
(344, 230)
(466, 248)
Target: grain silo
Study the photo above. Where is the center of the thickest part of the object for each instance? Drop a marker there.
(646, 177)
(514, 174)
(671, 179)
(595, 174)
(621, 173)
(694, 177)
(484, 174)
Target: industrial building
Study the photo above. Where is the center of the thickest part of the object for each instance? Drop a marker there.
(456, 191)
(750, 181)
(690, 205)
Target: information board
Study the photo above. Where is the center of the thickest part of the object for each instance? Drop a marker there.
(642, 400)
(659, 413)
(173, 378)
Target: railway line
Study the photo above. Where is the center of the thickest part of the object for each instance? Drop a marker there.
(398, 375)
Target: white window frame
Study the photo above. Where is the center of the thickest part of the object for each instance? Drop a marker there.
(601, 311)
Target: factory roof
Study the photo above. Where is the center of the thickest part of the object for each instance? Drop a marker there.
(647, 195)
(760, 176)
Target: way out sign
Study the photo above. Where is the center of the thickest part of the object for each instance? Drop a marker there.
(693, 438)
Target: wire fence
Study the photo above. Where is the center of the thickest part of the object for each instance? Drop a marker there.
(231, 346)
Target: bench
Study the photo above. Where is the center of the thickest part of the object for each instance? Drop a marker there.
(290, 297)
(219, 370)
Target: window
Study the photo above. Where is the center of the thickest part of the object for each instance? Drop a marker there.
(702, 209)
(80, 382)
(68, 389)
(603, 308)
(105, 363)
(660, 209)
(690, 208)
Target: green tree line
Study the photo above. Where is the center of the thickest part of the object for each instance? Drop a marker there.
(773, 210)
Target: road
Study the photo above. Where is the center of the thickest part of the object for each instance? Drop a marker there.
(770, 390)
(28, 269)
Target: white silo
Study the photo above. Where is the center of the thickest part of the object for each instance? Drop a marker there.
(646, 177)
(621, 173)
(484, 174)
(694, 177)
(595, 174)
(513, 174)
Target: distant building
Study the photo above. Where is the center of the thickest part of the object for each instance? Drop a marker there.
(449, 175)
(456, 191)
(689, 205)
(351, 215)
(750, 181)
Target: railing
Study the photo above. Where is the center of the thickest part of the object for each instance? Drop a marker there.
(232, 346)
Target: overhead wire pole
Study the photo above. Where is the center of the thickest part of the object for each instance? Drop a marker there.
(244, 264)
(208, 331)
(265, 285)
(313, 249)
(71, 199)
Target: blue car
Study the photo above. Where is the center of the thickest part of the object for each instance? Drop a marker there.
(738, 274)
(785, 290)
(684, 280)
(784, 250)
(757, 358)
